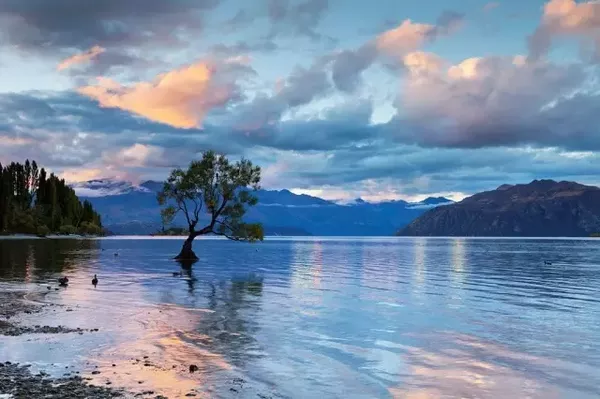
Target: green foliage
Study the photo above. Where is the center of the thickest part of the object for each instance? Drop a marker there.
(43, 230)
(216, 191)
(67, 229)
(173, 231)
(167, 214)
(31, 202)
(88, 228)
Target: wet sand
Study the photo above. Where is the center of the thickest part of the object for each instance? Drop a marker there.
(17, 380)
(20, 381)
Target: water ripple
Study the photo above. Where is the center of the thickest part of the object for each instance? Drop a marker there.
(330, 317)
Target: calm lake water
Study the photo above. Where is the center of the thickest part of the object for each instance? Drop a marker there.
(324, 318)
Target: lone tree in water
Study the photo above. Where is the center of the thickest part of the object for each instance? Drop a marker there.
(214, 193)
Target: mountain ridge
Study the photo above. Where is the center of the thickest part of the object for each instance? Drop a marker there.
(542, 208)
(134, 210)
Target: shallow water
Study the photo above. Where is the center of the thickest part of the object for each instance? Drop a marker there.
(312, 317)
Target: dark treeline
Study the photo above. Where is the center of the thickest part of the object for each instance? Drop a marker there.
(31, 202)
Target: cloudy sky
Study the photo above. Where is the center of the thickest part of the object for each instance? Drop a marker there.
(339, 98)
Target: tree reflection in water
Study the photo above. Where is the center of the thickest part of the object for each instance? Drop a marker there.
(230, 328)
(36, 260)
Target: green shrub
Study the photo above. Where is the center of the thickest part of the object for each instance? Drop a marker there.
(43, 231)
(90, 229)
(67, 229)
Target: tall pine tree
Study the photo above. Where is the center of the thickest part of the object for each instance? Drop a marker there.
(33, 202)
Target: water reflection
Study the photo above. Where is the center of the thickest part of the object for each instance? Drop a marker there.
(32, 260)
(460, 365)
(230, 327)
(420, 260)
(348, 318)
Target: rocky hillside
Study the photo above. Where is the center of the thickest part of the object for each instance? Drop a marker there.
(542, 208)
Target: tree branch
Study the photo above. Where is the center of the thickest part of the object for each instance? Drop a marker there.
(187, 215)
(218, 212)
(197, 209)
(224, 224)
(233, 238)
(179, 202)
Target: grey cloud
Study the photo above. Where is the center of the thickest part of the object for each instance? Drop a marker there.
(286, 17)
(567, 18)
(300, 18)
(302, 87)
(449, 22)
(340, 148)
(45, 26)
(114, 62)
(238, 48)
(424, 171)
(499, 103)
(348, 65)
(539, 43)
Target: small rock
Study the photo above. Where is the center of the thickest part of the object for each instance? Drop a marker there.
(95, 372)
(193, 368)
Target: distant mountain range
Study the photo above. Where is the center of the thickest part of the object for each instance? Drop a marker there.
(542, 208)
(132, 209)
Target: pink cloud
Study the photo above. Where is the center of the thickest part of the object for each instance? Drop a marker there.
(481, 100)
(81, 58)
(406, 37)
(180, 98)
(566, 18)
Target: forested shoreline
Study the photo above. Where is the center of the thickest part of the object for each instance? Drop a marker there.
(33, 202)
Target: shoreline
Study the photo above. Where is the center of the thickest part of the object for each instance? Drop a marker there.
(18, 381)
(46, 237)
(99, 378)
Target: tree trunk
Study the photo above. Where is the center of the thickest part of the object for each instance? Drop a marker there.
(186, 251)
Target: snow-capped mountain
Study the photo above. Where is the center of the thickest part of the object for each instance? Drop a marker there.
(430, 202)
(106, 187)
(132, 209)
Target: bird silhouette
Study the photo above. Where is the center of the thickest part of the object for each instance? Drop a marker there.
(547, 262)
(95, 280)
(63, 281)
